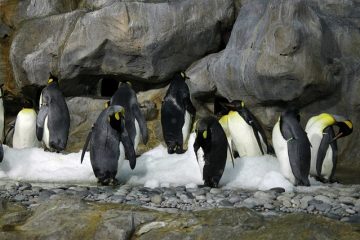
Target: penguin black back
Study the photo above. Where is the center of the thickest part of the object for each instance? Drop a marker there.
(174, 106)
(212, 139)
(125, 96)
(298, 146)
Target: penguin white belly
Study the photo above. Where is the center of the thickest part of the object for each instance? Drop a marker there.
(242, 135)
(137, 135)
(224, 124)
(1, 120)
(122, 156)
(46, 134)
(25, 129)
(186, 127)
(281, 151)
(201, 160)
(328, 165)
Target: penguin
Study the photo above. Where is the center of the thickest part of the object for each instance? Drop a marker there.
(107, 134)
(53, 120)
(135, 122)
(244, 131)
(292, 148)
(177, 114)
(25, 127)
(2, 114)
(210, 148)
(320, 131)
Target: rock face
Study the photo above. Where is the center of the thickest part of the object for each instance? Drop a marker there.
(137, 40)
(280, 53)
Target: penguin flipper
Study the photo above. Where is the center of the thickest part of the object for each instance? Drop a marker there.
(10, 131)
(298, 158)
(1, 152)
(128, 147)
(40, 121)
(323, 147)
(142, 124)
(85, 146)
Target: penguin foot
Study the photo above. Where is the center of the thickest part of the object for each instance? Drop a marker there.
(180, 150)
(171, 151)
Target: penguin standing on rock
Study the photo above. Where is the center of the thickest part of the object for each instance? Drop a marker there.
(210, 148)
(135, 122)
(177, 114)
(107, 134)
(244, 130)
(292, 148)
(320, 130)
(53, 120)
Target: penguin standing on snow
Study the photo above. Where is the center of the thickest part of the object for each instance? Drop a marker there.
(25, 127)
(177, 114)
(292, 148)
(53, 120)
(107, 134)
(135, 122)
(320, 130)
(210, 148)
(244, 130)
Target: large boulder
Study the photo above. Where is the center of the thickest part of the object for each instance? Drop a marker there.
(297, 52)
(144, 41)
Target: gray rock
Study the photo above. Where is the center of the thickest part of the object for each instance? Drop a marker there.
(45, 195)
(304, 201)
(323, 199)
(266, 196)
(156, 199)
(25, 186)
(347, 200)
(225, 203)
(320, 206)
(19, 198)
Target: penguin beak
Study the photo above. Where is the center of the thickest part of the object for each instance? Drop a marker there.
(338, 135)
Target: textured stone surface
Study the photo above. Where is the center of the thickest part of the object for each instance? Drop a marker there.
(298, 52)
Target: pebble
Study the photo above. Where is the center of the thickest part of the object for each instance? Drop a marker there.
(341, 203)
(157, 199)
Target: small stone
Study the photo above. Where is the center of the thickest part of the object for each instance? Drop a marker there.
(215, 190)
(19, 198)
(348, 210)
(278, 189)
(267, 196)
(323, 199)
(357, 203)
(225, 203)
(268, 206)
(234, 199)
(157, 199)
(347, 200)
(25, 186)
(310, 208)
(200, 197)
(102, 196)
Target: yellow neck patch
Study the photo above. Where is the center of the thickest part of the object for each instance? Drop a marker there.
(117, 116)
(204, 134)
(349, 124)
(50, 80)
(242, 104)
(326, 119)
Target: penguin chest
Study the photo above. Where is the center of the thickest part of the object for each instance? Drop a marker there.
(242, 135)
(281, 151)
(328, 164)
(25, 129)
(137, 135)
(121, 156)
(186, 127)
(46, 134)
(201, 160)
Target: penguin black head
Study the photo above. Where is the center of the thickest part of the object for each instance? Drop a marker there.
(292, 112)
(115, 115)
(27, 103)
(345, 127)
(52, 79)
(202, 126)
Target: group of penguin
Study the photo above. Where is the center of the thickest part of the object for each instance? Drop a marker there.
(233, 132)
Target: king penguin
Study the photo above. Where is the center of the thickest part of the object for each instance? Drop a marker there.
(244, 131)
(177, 114)
(107, 134)
(25, 127)
(53, 120)
(210, 148)
(292, 148)
(320, 130)
(135, 122)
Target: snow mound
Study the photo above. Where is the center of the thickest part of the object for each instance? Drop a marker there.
(155, 168)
